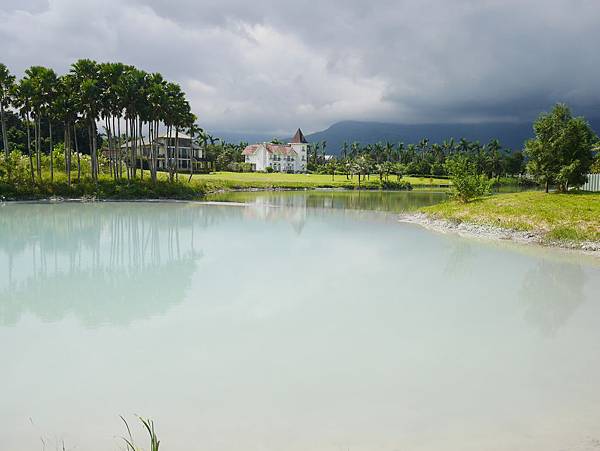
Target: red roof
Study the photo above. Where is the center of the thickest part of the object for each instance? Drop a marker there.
(279, 149)
(249, 150)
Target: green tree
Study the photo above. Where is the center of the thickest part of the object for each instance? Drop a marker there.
(87, 84)
(467, 182)
(561, 151)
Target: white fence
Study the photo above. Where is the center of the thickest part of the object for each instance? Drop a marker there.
(593, 183)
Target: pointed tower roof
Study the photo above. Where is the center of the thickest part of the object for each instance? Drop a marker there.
(299, 138)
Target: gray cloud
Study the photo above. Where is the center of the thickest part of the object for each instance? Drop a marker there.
(270, 66)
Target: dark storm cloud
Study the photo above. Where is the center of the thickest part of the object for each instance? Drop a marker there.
(270, 65)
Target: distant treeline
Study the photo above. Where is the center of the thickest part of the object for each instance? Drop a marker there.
(422, 158)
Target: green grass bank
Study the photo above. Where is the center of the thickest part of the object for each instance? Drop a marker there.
(558, 217)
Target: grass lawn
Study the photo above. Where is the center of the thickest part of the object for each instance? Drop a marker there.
(200, 185)
(574, 216)
(281, 180)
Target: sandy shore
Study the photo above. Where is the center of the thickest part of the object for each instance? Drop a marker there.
(496, 233)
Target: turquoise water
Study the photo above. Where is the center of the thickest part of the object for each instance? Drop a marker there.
(282, 325)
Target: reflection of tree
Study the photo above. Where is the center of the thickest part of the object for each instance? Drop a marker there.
(551, 292)
(460, 257)
(97, 297)
(345, 200)
(99, 262)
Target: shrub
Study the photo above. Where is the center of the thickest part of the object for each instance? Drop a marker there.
(467, 184)
(595, 169)
(239, 167)
(394, 185)
(269, 169)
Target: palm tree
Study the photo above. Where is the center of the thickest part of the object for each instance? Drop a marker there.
(50, 86)
(111, 111)
(7, 82)
(34, 76)
(157, 100)
(43, 83)
(65, 110)
(23, 101)
(494, 159)
(86, 76)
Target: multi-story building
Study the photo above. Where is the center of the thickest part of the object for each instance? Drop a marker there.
(182, 152)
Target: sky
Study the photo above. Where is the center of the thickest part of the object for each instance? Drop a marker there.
(270, 66)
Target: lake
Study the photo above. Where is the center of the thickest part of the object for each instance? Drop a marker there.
(289, 321)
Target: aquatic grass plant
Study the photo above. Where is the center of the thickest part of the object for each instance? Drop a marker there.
(149, 426)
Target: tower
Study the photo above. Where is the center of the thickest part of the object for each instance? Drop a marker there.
(300, 145)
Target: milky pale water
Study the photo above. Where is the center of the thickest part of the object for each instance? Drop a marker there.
(295, 322)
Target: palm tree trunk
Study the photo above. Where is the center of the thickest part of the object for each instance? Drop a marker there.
(51, 153)
(141, 156)
(77, 152)
(29, 149)
(4, 137)
(191, 155)
(177, 155)
(156, 145)
(115, 145)
(168, 155)
(141, 140)
(151, 126)
(133, 148)
(36, 134)
(95, 151)
(90, 146)
(120, 156)
(127, 144)
(67, 139)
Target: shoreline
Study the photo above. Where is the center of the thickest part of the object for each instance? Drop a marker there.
(494, 233)
(201, 196)
(464, 229)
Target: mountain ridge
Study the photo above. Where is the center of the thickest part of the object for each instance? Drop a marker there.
(511, 135)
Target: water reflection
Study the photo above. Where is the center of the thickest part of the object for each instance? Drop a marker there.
(548, 301)
(101, 263)
(330, 199)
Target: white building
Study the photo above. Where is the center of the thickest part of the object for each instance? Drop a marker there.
(291, 157)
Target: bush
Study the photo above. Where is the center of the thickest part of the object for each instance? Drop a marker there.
(394, 185)
(239, 167)
(595, 169)
(467, 184)
(269, 169)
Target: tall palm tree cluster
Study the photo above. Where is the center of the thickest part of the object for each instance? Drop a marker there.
(128, 102)
(422, 158)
